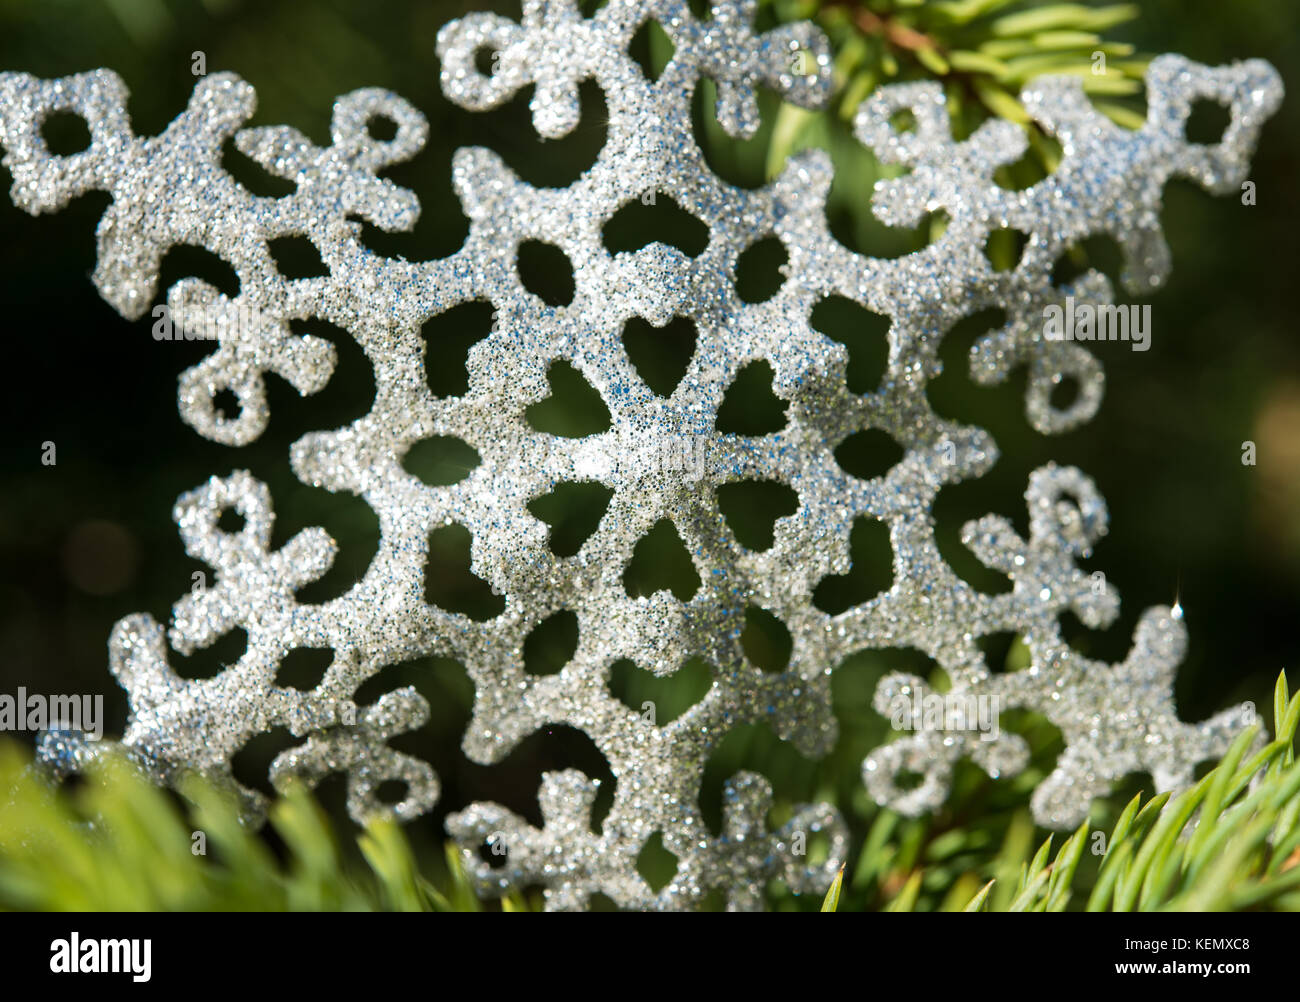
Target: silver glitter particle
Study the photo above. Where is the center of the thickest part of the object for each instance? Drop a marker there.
(170, 189)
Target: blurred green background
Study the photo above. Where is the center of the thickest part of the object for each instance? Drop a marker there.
(91, 539)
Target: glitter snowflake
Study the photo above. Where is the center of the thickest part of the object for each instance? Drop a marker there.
(170, 190)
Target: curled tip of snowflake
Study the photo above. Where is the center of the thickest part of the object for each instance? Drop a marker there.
(662, 459)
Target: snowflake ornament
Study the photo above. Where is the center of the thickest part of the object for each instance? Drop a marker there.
(170, 189)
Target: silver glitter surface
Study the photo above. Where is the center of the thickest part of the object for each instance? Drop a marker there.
(170, 189)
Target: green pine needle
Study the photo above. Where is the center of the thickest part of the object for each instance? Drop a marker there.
(1230, 842)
